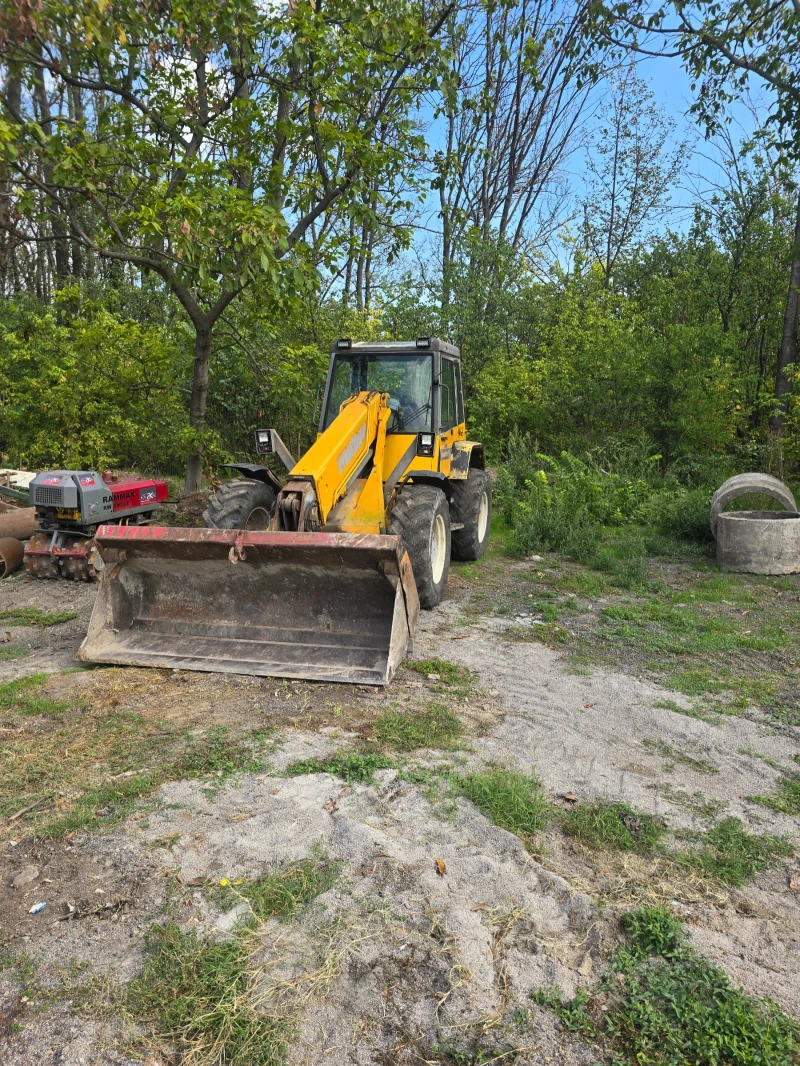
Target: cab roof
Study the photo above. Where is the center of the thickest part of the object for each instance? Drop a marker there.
(415, 347)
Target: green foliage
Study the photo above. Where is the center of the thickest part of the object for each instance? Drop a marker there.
(514, 801)
(734, 856)
(349, 766)
(101, 392)
(434, 727)
(665, 1005)
(283, 893)
(614, 824)
(786, 798)
(32, 616)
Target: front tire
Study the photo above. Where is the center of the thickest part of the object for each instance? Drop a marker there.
(241, 503)
(422, 518)
(471, 506)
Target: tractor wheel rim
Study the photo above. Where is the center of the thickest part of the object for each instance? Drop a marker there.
(438, 548)
(483, 516)
(258, 519)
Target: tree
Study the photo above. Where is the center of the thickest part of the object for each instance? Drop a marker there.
(630, 168)
(210, 142)
(725, 47)
(513, 121)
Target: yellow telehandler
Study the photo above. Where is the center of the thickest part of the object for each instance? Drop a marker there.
(321, 576)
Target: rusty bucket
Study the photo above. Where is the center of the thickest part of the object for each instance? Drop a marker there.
(320, 606)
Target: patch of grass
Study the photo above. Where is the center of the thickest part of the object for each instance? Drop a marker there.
(349, 766)
(435, 727)
(283, 893)
(12, 651)
(199, 995)
(675, 755)
(786, 799)
(86, 765)
(694, 711)
(449, 1055)
(661, 1004)
(546, 633)
(452, 679)
(32, 616)
(613, 824)
(195, 995)
(732, 855)
(572, 1014)
(511, 800)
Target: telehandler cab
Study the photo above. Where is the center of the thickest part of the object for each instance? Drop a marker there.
(320, 576)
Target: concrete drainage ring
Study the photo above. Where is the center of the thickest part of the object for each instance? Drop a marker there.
(756, 542)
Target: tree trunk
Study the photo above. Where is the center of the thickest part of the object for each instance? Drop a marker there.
(197, 404)
(787, 353)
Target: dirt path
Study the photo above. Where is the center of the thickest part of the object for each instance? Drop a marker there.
(401, 959)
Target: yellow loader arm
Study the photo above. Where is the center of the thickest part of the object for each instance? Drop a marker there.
(338, 484)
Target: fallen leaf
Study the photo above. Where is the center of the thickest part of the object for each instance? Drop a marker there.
(331, 805)
(586, 706)
(481, 907)
(794, 884)
(441, 867)
(6, 638)
(568, 797)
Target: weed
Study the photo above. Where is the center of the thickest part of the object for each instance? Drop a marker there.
(694, 711)
(512, 800)
(664, 1005)
(734, 856)
(217, 754)
(572, 1014)
(546, 633)
(675, 755)
(613, 824)
(32, 616)
(448, 1055)
(349, 766)
(435, 727)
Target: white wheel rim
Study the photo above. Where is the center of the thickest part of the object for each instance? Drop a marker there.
(483, 516)
(438, 548)
(258, 519)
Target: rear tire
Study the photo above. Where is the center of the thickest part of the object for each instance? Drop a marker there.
(241, 503)
(422, 518)
(471, 504)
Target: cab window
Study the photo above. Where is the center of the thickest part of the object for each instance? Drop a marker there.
(407, 378)
(449, 393)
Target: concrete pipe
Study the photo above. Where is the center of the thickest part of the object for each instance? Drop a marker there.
(756, 542)
(19, 523)
(10, 555)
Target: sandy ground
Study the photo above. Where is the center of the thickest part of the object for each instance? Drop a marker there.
(396, 958)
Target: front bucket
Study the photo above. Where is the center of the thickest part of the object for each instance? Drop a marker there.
(321, 606)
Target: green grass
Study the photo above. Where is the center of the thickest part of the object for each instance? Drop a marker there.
(283, 893)
(435, 727)
(613, 824)
(12, 651)
(17, 697)
(664, 1005)
(514, 801)
(32, 616)
(451, 678)
(675, 755)
(733, 856)
(349, 766)
(787, 797)
(202, 996)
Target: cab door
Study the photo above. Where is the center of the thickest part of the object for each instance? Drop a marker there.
(451, 413)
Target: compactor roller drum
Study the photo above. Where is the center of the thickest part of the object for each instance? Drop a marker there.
(471, 508)
(422, 518)
(241, 503)
(319, 574)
